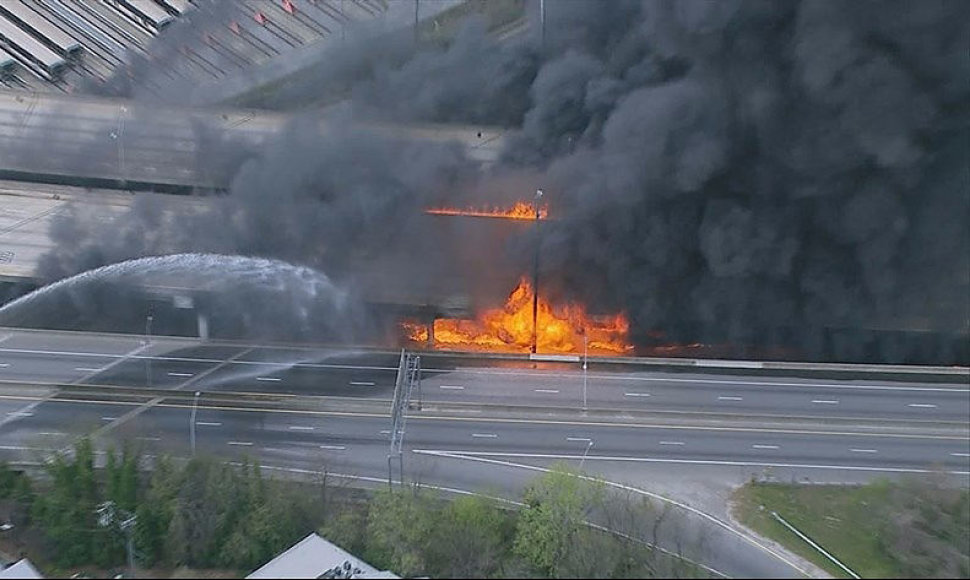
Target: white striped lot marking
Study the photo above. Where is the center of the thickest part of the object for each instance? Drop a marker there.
(452, 387)
(269, 379)
(863, 450)
(180, 375)
(550, 391)
(765, 446)
(301, 428)
(362, 383)
(485, 435)
(208, 423)
(672, 443)
(922, 405)
(825, 402)
(334, 447)
(242, 443)
(636, 394)
(730, 398)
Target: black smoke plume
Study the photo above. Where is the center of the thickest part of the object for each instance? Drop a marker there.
(750, 172)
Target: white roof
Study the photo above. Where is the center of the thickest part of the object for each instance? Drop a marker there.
(22, 569)
(312, 557)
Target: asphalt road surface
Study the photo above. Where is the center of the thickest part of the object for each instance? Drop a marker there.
(484, 424)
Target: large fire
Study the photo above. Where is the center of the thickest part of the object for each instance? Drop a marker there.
(560, 329)
(520, 211)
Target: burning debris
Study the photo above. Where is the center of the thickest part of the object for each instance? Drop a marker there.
(560, 328)
(520, 211)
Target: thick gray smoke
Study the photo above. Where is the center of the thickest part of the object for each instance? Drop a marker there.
(748, 171)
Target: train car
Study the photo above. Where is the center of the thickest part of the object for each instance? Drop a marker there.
(8, 64)
(145, 12)
(39, 27)
(31, 52)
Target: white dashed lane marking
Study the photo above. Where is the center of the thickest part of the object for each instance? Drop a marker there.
(242, 443)
(362, 383)
(485, 435)
(672, 443)
(863, 450)
(730, 398)
(334, 447)
(825, 402)
(922, 405)
(550, 391)
(452, 387)
(636, 394)
(765, 446)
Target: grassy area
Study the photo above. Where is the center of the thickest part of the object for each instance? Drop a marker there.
(880, 530)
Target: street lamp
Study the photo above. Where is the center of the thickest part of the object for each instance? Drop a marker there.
(585, 365)
(583, 460)
(535, 276)
(195, 408)
(148, 342)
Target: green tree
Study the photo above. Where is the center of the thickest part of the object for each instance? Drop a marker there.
(470, 538)
(553, 521)
(398, 525)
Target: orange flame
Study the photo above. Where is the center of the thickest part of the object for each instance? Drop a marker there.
(559, 329)
(520, 211)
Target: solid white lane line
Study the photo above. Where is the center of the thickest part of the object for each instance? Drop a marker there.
(208, 423)
(269, 379)
(301, 428)
(88, 369)
(922, 405)
(636, 394)
(181, 375)
(362, 383)
(485, 435)
(960, 454)
(672, 443)
(243, 443)
(730, 398)
(863, 450)
(583, 439)
(825, 402)
(765, 446)
(551, 391)
(334, 447)
(452, 387)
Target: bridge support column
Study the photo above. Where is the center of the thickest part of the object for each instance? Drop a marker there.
(431, 332)
(203, 326)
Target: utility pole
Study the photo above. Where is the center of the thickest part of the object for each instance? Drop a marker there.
(148, 341)
(585, 365)
(195, 407)
(535, 277)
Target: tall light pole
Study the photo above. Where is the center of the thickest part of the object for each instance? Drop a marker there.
(195, 407)
(583, 460)
(535, 277)
(148, 341)
(585, 365)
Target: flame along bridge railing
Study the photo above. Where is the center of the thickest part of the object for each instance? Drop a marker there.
(408, 378)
